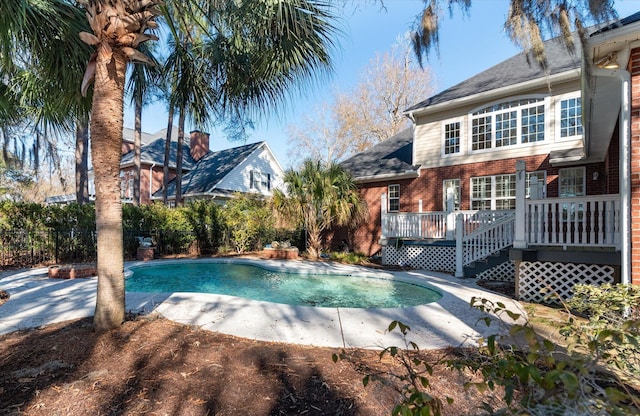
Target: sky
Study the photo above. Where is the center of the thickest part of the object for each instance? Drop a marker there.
(469, 44)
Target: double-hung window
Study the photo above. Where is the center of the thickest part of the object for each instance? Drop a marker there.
(452, 133)
(569, 117)
(508, 123)
(259, 180)
(394, 198)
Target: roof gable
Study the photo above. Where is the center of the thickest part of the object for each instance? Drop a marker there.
(211, 169)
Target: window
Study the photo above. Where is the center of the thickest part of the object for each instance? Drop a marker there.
(451, 184)
(394, 198)
(481, 192)
(505, 192)
(259, 180)
(570, 118)
(508, 123)
(541, 184)
(571, 182)
(452, 138)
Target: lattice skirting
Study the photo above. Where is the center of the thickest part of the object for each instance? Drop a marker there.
(540, 281)
(503, 272)
(435, 258)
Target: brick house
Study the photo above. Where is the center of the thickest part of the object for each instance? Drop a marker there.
(518, 172)
(206, 174)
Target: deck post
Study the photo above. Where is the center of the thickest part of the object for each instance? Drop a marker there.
(459, 245)
(519, 240)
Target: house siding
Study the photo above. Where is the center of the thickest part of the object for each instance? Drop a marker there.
(428, 145)
(239, 178)
(634, 69)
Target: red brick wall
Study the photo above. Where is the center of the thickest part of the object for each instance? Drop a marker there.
(156, 178)
(428, 188)
(634, 63)
(198, 144)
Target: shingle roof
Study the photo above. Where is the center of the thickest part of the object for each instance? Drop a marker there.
(515, 70)
(211, 169)
(154, 153)
(392, 156)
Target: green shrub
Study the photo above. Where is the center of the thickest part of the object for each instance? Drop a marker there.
(205, 220)
(593, 375)
(249, 222)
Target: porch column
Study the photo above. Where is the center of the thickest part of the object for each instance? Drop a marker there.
(459, 245)
(521, 175)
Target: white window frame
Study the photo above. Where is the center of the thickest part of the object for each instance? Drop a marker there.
(455, 184)
(260, 181)
(571, 171)
(395, 197)
(485, 111)
(494, 182)
(558, 116)
(444, 139)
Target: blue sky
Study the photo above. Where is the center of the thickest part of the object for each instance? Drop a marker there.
(468, 45)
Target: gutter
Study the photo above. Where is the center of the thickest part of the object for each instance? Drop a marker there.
(408, 174)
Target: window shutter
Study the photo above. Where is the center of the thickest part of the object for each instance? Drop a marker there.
(251, 179)
(268, 181)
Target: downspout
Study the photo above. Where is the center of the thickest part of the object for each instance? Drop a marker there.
(151, 181)
(625, 178)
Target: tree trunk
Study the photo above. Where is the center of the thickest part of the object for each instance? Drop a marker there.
(106, 145)
(82, 160)
(137, 144)
(167, 157)
(180, 151)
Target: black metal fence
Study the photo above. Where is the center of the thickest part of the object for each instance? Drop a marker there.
(23, 248)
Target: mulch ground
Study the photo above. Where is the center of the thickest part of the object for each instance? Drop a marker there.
(152, 366)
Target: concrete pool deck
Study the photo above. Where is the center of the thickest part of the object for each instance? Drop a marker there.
(35, 300)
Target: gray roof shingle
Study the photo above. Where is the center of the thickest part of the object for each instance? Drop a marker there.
(154, 153)
(211, 169)
(515, 70)
(392, 156)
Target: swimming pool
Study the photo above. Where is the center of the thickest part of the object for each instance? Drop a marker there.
(257, 283)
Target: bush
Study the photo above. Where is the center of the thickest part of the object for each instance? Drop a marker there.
(249, 222)
(595, 375)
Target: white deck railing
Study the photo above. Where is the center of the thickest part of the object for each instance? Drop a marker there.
(414, 225)
(486, 240)
(575, 221)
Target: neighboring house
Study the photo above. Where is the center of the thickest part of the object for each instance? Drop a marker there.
(250, 168)
(517, 161)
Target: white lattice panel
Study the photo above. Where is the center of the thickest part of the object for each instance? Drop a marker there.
(435, 258)
(540, 281)
(503, 272)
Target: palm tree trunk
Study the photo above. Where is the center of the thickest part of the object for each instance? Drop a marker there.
(137, 143)
(106, 144)
(82, 160)
(180, 151)
(167, 157)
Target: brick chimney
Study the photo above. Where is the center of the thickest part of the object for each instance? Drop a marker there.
(198, 144)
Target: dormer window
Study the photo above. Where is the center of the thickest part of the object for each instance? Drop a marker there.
(508, 123)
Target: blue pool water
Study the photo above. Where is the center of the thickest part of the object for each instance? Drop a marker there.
(260, 284)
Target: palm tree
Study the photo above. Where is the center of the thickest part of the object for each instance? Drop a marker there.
(284, 31)
(320, 197)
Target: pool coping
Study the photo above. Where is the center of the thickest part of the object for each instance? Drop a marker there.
(449, 321)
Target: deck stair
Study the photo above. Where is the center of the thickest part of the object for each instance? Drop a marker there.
(481, 265)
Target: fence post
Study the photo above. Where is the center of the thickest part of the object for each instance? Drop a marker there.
(459, 245)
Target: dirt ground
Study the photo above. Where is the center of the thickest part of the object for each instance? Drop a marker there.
(153, 366)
